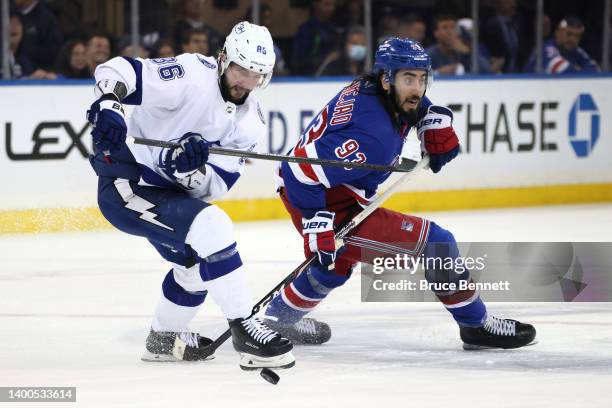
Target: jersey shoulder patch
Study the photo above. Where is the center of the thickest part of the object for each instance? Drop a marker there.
(205, 62)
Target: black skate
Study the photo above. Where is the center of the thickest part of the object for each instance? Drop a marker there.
(497, 333)
(177, 346)
(305, 331)
(259, 346)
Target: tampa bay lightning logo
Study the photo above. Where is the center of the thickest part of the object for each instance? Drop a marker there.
(584, 112)
(239, 28)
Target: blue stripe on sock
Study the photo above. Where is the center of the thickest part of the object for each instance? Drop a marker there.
(303, 286)
(177, 295)
(329, 279)
(220, 263)
(472, 315)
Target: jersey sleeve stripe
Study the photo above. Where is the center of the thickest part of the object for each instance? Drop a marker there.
(358, 194)
(298, 173)
(305, 167)
(311, 151)
(135, 98)
(557, 65)
(228, 178)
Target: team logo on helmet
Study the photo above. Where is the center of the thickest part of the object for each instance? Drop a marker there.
(239, 28)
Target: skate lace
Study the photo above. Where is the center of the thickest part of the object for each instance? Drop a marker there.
(191, 339)
(500, 327)
(258, 330)
(306, 326)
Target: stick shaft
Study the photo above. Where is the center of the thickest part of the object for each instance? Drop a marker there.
(278, 157)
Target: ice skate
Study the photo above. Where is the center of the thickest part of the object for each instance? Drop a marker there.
(305, 331)
(259, 346)
(498, 333)
(176, 346)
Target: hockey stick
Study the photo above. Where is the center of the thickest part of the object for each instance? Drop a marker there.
(344, 231)
(275, 157)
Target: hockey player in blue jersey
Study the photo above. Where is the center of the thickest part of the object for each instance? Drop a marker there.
(562, 54)
(368, 121)
(163, 194)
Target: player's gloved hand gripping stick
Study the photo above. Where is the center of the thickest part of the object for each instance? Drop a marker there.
(416, 167)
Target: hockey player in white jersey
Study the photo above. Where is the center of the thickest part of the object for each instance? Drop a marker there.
(163, 194)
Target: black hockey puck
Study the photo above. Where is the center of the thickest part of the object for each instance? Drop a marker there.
(269, 375)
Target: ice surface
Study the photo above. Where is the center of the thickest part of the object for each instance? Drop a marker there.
(75, 309)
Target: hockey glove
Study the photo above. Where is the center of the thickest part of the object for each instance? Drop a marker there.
(438, 137)
(190, 155)
(107, 118)
(318, 233)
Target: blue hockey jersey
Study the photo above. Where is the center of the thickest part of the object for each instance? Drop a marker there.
(352, 127)
(554, 61)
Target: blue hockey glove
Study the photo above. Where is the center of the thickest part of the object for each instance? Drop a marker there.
(107, 118)
(189, 156)
(438, 136)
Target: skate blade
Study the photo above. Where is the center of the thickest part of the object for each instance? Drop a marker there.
(167, 358)
(473, 347)
(251, 362)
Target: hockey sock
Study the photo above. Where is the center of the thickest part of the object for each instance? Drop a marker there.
(225, 280)
(303, 294)
(465, 306)
(176, 307)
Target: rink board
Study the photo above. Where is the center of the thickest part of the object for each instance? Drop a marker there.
(525, 141)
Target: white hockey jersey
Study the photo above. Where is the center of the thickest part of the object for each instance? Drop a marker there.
(174, 96)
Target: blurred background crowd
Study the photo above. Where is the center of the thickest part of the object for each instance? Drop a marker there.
(55, 39)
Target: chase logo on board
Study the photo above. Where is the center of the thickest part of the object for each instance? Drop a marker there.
(584, 124)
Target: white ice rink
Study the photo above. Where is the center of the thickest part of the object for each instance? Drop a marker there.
(75, 309)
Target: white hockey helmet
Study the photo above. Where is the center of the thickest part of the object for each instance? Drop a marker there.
(251, 47)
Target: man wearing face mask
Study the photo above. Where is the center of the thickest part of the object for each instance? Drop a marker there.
(368, 121)
(351, 61)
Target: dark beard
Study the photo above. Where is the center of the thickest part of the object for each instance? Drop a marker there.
(409, 117)
(227, 96)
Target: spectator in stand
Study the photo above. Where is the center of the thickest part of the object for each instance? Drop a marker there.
(349, 14)
(191, 17)
(450, 55)
(562, 53)
(503, 35)
(413, 27)
(315, 39)
(72, 61)
(266, 14)
(98, 51)
(162, 49)
(195, 41)
(386, 25)
(351, 61)
(42, 38)
(126, 49)
(466, 31)
(20, 65)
